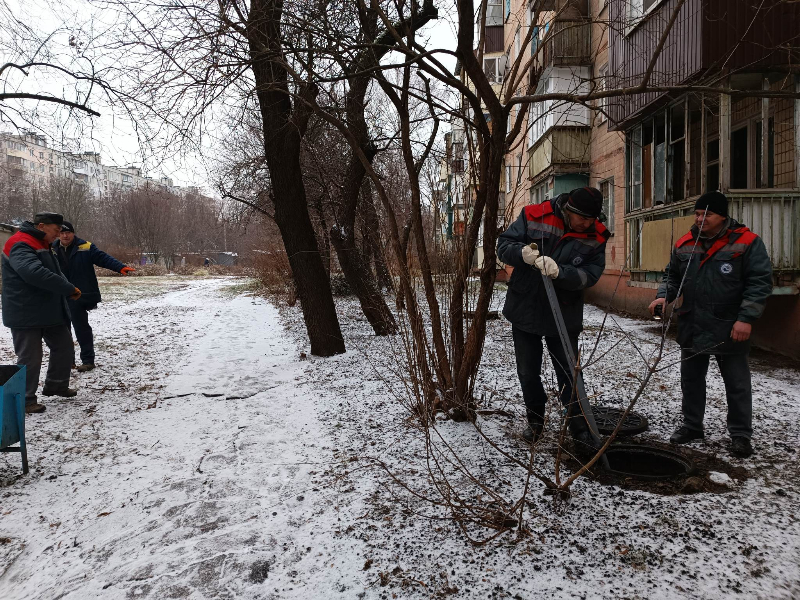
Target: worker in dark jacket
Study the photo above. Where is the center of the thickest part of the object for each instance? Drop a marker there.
(570, 249)
(34, 301)
(77, 258)
(723, 273)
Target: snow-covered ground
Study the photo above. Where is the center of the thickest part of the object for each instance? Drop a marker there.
(207, 458)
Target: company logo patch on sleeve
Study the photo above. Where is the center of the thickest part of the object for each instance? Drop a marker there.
(726, 268)
(577, 260)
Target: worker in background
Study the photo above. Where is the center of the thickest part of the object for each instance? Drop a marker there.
(570, 249)
(77, 259)
(723, 274)
(34, 307)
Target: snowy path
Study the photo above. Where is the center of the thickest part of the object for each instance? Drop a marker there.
(138, 490)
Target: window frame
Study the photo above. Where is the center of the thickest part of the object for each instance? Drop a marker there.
(602, 86)
(608, 201)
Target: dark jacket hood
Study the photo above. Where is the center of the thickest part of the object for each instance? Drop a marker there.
(29, 228)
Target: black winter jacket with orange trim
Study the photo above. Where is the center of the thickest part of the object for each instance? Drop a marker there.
(581, 260)
(727, 282)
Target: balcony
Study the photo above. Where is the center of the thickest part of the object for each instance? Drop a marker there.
(562, 150)
(568, 43)
(772, 214)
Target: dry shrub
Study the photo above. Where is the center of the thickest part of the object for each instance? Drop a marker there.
(275, 275)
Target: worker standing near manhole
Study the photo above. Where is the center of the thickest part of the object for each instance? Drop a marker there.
(723, 273)
(564, 240)
(34, 306)
(77, 259)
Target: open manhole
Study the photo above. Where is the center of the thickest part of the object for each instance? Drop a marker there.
(607, 419)
(647, 462)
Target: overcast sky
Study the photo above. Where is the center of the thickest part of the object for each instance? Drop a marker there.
(113, 134)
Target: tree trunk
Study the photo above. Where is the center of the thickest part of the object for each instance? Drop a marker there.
(374, 240)
(283, 129)
(358, 274)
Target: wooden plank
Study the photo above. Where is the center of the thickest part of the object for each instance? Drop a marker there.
(797, 132)
(687, 148)
(703, 145)
(764, 137)
(724, 142)
(658, 237)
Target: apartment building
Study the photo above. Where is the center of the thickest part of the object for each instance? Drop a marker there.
(563, 45)
(27, 156)
(652, 154)
(679, 144)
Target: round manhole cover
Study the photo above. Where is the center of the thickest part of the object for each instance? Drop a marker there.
(607, 419)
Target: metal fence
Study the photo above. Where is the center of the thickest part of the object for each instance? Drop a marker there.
(776, 218)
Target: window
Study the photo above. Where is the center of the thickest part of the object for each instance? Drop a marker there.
(516, 45)
(770, 153)
(494, 13)
(508, 9)
(494, 68)
(634, 168)
(676, 163)
(509, 185)
(739, 158)
(636, 9)
(607, 189)
(602, 103)
(539, 193)
(534, 41)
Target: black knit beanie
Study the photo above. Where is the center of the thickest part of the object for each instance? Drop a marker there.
(585, 201)
(715, 202)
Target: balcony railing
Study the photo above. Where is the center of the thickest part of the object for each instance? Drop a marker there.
(568, 43)
(774, 216)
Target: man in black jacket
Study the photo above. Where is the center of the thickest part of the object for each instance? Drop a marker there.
(34, 303)
(570, 249)
(77, 258)
(723, 273)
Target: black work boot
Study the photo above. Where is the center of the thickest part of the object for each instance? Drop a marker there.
(85, 367)
(684, 435)
(533, 431)
(34, 407)
(741, 447)
(65, 392)
(581, 436)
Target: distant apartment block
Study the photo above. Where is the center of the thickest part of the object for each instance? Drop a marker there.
(28, 156)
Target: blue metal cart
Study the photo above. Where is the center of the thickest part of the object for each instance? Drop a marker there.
(12, 411)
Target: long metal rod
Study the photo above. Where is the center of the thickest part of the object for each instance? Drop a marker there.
(586, 408)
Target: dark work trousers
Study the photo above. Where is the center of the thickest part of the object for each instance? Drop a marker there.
(28, 347)
(528, 349)
(735, 371)
(83, 331)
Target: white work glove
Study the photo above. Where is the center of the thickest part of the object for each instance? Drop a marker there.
(547, 266)
(530, 253)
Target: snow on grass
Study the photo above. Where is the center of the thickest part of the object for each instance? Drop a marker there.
(605, 542)
(205, 459)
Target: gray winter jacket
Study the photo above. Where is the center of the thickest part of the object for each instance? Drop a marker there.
(34, 290)
(727, 282)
